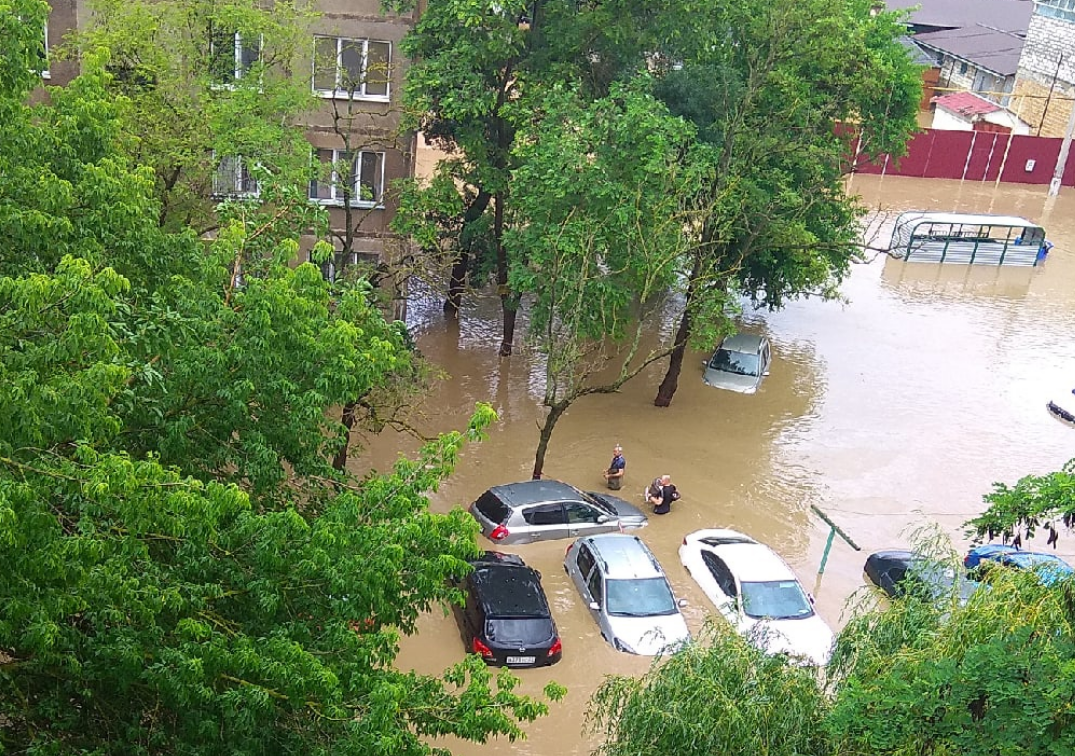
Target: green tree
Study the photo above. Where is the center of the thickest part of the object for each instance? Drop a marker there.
(1034, 502)
(938, 678)
(769, 86)
(215, 92)
(596, 232)
(718, 695)
(168, 589)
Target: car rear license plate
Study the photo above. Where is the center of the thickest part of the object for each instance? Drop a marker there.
(521, 659)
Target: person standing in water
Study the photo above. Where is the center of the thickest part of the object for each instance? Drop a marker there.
(616, 468)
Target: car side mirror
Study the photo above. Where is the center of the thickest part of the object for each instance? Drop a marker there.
(765, 373)
(595, 606)
(681, 603)
(811, 597)
(602, 519)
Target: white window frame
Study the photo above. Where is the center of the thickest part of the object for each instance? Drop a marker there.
(237, 191)
(333, 180)
(360, 93)
(237, 65)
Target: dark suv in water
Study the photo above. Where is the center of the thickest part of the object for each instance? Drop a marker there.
(506, 617)
(540, 510)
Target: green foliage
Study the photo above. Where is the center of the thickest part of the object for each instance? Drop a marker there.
(718, 695)
(1036, 501)
(185, 572)
(993, 676)
(175, 64)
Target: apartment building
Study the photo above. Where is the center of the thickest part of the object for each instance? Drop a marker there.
(1045, 85)
(356, 73)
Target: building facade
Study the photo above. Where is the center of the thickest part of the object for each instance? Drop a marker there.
(1045, 85)
(355, 72)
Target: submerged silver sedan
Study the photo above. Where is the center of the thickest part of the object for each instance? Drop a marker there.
(739, 363)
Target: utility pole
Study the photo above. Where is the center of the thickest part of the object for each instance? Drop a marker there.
(1062, 158)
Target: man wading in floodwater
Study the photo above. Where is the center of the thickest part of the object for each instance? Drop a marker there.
(614, 473)
(661, 493)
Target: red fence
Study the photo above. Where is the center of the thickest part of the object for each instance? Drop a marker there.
(978, 156)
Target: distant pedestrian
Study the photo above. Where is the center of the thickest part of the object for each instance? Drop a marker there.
(616, 468)
(661, 493)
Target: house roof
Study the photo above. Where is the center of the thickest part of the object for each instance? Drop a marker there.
(1006, 15)
(966, 104)
(985, 47)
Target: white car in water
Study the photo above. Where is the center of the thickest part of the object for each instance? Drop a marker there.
(757, 592)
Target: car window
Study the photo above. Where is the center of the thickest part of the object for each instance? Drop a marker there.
(596, 587)
(493, 508)
(522, 630)
(738, 363)
(584, 560)
(776, 599)
(577, 512)
(544, 514)
(643, 597)
(721, 573)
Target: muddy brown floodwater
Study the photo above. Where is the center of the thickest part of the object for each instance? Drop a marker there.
(895, 408)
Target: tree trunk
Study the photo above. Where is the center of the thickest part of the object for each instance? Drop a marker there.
(507, 304)
(456, 283)
(668, 386)
(348, 419)
(458, 278)
(546, 434)
(670, 383)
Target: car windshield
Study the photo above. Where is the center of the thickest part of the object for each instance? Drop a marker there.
(523, 630)
(739, 363)
(639, 598)
(778, 599)
(600, 502)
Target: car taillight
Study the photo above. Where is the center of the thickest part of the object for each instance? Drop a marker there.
(499, 533)
(480, 648)
(557, 647)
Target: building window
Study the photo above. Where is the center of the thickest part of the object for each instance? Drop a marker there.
(351, 67)
(356, 178)
(232, 178)
(1062, 9)
(962, 69)
(45, 72)
(231, 56)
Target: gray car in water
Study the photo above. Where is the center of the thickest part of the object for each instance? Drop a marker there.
(739, 363)
(542, 510)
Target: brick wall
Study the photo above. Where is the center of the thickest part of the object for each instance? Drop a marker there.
(1047, 55)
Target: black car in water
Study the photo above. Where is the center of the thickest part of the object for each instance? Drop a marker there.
(900, 573)
(506, 617)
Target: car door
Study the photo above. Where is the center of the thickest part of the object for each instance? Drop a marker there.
(595, 595)
(585, 519)
(766, 358)
(545, 521)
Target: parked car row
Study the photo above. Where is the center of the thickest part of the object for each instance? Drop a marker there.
(900, 573)
(506, 617)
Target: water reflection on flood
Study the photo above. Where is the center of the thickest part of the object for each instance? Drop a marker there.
(898, 406)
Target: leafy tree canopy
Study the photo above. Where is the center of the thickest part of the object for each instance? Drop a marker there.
(185, 573)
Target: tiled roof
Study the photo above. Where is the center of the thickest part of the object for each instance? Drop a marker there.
(966, 104)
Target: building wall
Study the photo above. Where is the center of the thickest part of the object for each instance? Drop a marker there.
(1047, 63)
(364, 124)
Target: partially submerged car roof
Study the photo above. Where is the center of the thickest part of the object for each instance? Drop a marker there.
(748, 343)
(534, 491)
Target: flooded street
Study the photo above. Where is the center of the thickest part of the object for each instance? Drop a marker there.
(894, 408)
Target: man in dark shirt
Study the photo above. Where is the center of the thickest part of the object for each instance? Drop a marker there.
(614, 473)
(661, 494)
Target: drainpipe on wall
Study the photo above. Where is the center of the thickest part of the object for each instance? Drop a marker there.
(1062, 158)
